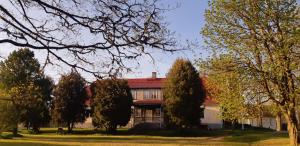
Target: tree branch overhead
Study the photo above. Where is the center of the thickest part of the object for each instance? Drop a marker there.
(118, 30)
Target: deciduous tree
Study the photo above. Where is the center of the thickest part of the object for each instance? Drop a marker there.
(115, 30)
(8, 114)
(263, 38)
(27, 87)
(224, 84)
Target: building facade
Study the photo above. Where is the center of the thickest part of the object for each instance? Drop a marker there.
(147, 106)
(147, 96)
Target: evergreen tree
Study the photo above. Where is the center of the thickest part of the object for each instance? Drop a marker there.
(112, 101)
(183, 95)
(69, 97)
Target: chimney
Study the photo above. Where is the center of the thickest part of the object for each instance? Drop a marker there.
(153, 75)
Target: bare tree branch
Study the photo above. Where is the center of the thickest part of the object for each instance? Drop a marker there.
(119, 30)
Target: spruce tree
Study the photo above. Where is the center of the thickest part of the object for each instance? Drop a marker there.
(183, 95)
(112, 101)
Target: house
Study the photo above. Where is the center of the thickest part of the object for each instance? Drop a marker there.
(147, 106)
(211, 116)
(148, 102)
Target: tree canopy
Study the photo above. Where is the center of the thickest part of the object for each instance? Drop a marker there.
(225, 86)
(112, 101)
(19, 68)
(69, 100)
(8, 114)
(183, 95)
(27, 89)
(263, 38)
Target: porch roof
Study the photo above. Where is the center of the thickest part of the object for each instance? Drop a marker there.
(148, 103)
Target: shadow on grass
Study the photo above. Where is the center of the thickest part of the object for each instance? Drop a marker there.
(161, 132)
(254, 136)
(160, 136)
(173, 133)
(27, 144)
(9, 135)
(180, 133)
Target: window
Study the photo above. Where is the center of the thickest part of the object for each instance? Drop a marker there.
(148, 113)
(147, 94)
(134, 94)
(138, 112)
(156, 112)
(152, 94)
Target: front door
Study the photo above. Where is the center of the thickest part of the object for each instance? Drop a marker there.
(147, 115)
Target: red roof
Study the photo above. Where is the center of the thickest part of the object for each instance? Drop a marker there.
(88, 91)
(144, 83)
(210, 101)
(148, 83)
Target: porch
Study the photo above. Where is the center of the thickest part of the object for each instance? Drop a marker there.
(148, 111)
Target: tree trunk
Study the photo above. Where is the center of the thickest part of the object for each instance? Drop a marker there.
(15, 131)
(70, 127)
(35, 129)
(112, 129)
(27, 125)
(259, 122)
(278, 122)
(293, 133)
(291, 119)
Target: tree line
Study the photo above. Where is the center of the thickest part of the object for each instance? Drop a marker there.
(31, 98)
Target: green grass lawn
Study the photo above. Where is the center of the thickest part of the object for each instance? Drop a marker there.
(86, 137)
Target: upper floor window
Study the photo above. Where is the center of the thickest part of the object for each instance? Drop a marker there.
(152, 94)
(134, 94)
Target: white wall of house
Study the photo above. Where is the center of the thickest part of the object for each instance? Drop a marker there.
(211, 117)
(86, 124)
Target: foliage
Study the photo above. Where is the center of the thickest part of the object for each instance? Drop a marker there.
(69, 100)
(225, 86)
(19, 68)
(230, 88)
(27, 87)
(34, 113)
(183, 95)
(112, 101)
(8, 115)
(263, 38)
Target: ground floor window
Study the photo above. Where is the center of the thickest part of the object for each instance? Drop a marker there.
(137, 112)
(156, 112)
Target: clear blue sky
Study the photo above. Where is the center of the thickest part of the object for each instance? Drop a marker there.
(186, 21)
